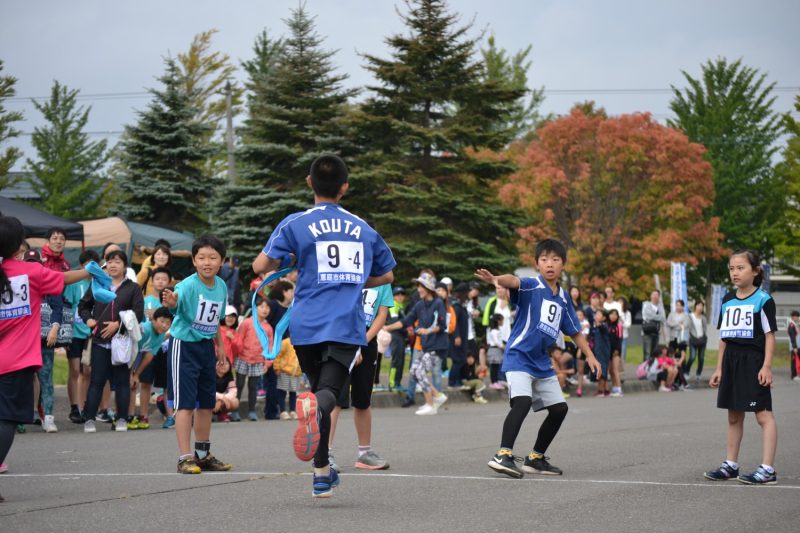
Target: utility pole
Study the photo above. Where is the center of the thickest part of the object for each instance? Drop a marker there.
(229, 132)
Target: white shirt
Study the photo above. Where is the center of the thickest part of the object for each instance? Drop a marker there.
(504, 308)
(697, 325)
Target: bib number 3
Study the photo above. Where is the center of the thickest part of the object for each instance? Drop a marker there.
(17, 302)
(340, 262)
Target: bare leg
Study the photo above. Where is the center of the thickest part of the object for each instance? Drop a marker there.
(581, 362)
(72, 381)
(202, 424)
(132, 402)
(144, 399)
(183, 430)
(334, 421)
(735, 432)
(769, 430)
(616, 380)
(83, 385)
(363, 422)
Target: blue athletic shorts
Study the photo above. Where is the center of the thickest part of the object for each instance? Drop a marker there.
(147, 375)
(192, 374)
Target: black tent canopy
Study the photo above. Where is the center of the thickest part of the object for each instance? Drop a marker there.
(37, 222)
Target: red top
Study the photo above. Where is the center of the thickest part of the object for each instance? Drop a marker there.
(248, 346)
(20, 313)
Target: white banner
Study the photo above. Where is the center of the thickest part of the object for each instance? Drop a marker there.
(679, 290)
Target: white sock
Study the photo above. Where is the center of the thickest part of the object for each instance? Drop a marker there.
(768, 468)
(732, 464)
(363, 449)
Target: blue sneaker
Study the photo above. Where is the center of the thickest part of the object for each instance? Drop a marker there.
(323, 485)
(169, 422)
(252, 416)
(723, 473)
(759, 477)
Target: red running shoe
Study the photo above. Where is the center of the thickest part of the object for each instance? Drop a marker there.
(306, 436)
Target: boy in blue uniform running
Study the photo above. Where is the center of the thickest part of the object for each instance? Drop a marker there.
(197, 304)
(544, 309)
(337, 255)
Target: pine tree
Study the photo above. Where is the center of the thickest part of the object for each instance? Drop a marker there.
(729, 110)
(10, 155)
(68, 171)
(295, 106)
(418, 177)
(159, 159)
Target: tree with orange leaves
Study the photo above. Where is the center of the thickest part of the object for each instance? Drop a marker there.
(625, 194)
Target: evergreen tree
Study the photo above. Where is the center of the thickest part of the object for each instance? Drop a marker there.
(159, 160)
(295, 106)
(68, 171)
(418, 177)
(729, 111)
(787, 250)
(10, 155)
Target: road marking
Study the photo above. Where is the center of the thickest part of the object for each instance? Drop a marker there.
(549, 479)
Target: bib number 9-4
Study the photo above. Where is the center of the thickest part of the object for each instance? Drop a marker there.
(340, 262)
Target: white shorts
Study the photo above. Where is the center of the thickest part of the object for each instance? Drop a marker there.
(543, 391)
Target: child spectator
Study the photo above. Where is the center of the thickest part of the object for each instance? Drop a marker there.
(615, 338)
(794, 354)
(230, 339)
(602, 350)
(494, 353)
(287, 368)
(154, 333)
(663, 369)
(581, 357)
(562, 365)
(397, 346)
(104, 321)
(250, 364)
(281, 296)
(198, 301)
(227, 394)
(473, 381)
(160, 279)
(160, 259)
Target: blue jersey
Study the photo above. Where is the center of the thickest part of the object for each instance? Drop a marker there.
(746, 321)
(375, 298)
(199, 309)
(540, 316)
(151, 341)
(336, 252)
(73, 294)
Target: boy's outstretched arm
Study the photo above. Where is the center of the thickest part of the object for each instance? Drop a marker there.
(509, 281)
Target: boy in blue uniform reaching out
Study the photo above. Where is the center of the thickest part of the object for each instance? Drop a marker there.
(197, 304)
(337, 255)
(544, 309)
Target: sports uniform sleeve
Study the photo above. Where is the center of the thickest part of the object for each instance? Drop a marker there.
(48, 282)
(525, 284)
(281, 242)
(385, 298)
(382, 258)
(570, 325)
(768, 320)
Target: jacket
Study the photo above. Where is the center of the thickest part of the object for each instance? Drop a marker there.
(129, 297)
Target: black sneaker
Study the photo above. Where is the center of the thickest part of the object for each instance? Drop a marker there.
(212, 464)
(538, 464)
(408, 403)
(759, 477)
(75, 416)
(504, 462)
(723, 473)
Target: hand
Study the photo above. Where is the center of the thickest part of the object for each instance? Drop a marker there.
(149, 313)
(486, 276)
(267, 365)
(52, 336)
(423, 331)
(91, 323)
(221, 359)
(765, 377)
(134, 381)
(229, 335)
(457, 342)
(108, 331)
(595, 366)
(715, 377)
(169, 299)
(359, 359)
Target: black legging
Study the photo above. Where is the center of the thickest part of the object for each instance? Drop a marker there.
(103, 371)
(520, 407)
(494, 372)
(252, 385)
(7, 431)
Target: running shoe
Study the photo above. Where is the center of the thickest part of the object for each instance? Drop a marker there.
(188, 465)
(75, 416)
(144, 422)
(285, 415)
(372, 461)
(212, 464)
(723, 473)
(252, 416)
(293, 415)
(323, 485)
(579, 393)
(21, 428)
(480, 399)
(408, 403)
(121, 425)
(103, 416)
(89, 427)
(306, 436)
(133, 423)
(538, 464)
(759, 477)
(438, 401)
(426, 410)
(169, 423)
(3, 468)
(235, 417)
(504, 462)
(49, 424)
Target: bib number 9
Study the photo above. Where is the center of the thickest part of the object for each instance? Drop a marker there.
(340, 262)
(549, 318)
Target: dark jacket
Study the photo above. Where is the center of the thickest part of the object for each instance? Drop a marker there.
(425, 311)
(129, 298)
(462, 330)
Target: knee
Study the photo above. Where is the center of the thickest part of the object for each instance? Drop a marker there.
(326, 400)
(764, 418)
(735, 417)
(558, 410)
(521, 403)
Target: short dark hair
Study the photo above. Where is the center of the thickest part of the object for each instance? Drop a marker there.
(162, 312)
(162, 242)
(328, 174)
(208, 241)
(795, 313)
(118, 254)
(552, 349)
(279, 290)
(88, 255)
(680, 301)
(55, 229)
(161, 270)
(260, 300)
(550, 245)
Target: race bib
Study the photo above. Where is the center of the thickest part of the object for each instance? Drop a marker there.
(340, 262)
(206, 319)
(369, 297)
(17, 303)
(737, 322)
(549, 318)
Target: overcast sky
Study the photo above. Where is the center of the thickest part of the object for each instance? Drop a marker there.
(580, 47)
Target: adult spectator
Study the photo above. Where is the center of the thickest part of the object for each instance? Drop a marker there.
(611, 302)
(678, 329)
(698, 338)
(111, 247)
(160, 258)
(794, 355)
(459, 338)
(652, 321)
(627, 321)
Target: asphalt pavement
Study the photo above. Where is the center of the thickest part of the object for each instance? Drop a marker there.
(630, 464)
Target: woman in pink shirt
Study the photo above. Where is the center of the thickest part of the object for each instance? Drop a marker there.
(22, 288)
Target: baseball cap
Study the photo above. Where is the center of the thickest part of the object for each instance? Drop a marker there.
(399, 290)
(462, 288)
(32, 256)
(426, 280)
(231, 310)
(447, 281)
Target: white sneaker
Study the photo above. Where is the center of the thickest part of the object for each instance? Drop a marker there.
(439, 400)
(796, 378)
(616, 394)
(89, 427)
(426, 410)
(121, 425)
(664, 389)
(49, 424)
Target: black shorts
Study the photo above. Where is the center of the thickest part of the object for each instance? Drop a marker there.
(739, 389)
(76, 347)
(160, 363)
(357, 390)
(314, 357)
(16, 396)
(193, 374)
